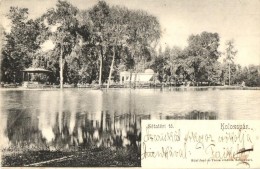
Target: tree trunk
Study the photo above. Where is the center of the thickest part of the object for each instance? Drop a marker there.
(61, 68)
(135, 78)
(130, 78)
(111, 68)
(100, 70)
(131, 70)
(136, 69)
(100, 67)
(229, 74)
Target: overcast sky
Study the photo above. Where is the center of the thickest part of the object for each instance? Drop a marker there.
(237, 19)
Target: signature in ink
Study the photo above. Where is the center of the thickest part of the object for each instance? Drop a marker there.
(242, 156)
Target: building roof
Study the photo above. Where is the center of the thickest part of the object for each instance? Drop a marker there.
(36, 70)
(149, 71)
(146, 72)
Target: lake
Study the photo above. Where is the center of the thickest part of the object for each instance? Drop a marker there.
(66, 120)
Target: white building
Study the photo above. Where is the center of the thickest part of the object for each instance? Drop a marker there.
(144, 77)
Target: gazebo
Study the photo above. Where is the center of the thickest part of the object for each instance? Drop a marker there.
(32, 77)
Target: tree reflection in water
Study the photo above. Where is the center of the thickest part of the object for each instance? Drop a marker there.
(84, 131)
(63, 122)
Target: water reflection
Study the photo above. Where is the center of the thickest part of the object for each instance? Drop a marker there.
(73, 120)
(71, 130)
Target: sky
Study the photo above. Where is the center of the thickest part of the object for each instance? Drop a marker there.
(231, 19)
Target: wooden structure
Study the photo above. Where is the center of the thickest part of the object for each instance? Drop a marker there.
(35, 77)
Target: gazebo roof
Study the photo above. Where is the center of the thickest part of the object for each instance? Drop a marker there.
(36, 70)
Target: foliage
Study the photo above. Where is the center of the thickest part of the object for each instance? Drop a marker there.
(229, 60)
(94, 45)
(19, 44)
(202, 55)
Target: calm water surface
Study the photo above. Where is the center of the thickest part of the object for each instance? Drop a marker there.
(61, 119)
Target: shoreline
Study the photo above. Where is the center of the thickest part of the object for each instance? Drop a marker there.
(192, 88)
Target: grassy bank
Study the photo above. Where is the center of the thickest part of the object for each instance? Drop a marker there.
(96, 157)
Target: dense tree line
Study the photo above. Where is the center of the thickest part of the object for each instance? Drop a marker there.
(94, 45)
(197, 65)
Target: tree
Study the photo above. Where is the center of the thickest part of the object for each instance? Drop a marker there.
(158, 65)
(253, 77)
(230, 55)
(64, 19)
(117, 31)
(100, 16)
(20, 44)
(144, 33)
(119, 35)
(202, 55)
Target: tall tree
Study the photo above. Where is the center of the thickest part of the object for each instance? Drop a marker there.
(20, 44)
(63, 18)
(118, 34)
(100, 16)
(144, 32)
(202, 55)
(230, 55)
(87, 52)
